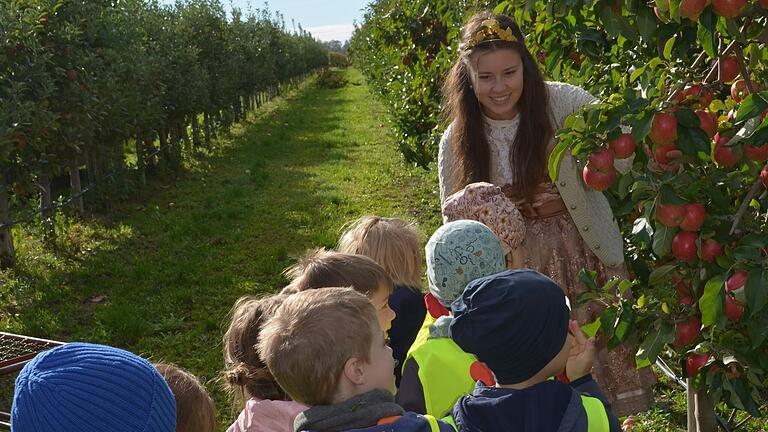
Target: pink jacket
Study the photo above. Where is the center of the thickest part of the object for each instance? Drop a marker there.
(267, 416)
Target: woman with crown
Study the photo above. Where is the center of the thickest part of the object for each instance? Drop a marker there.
(504, 117)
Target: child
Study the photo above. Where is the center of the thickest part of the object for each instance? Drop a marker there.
(194, 408)
(327, 350)
(394, 244)
(267, 407)
(321, 268)
(91, 388)
(489, 205)
(518, 323)
(436, 371)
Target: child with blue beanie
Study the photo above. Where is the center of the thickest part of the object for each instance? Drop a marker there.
(518, 323)
(436, 371)
(81, 387)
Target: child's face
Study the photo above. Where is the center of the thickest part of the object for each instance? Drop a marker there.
(381, 364)
(380, 300)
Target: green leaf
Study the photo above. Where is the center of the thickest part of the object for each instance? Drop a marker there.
(654, 343)
(659, 274)
(624, 183)
(646, 23)
(624, 323)
(755, 290)
(711, 302)
(642, 126)
(706, 39)
(637, 72)
(752, 106)
(591, 329)
(555, 158)
(587, 277)
(662, 240)
(668, 47)
(758, 328)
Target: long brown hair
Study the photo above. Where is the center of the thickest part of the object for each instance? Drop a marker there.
(535, 128)
(194, 408)
(245, 374)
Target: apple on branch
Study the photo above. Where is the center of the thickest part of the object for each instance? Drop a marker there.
(599, 173)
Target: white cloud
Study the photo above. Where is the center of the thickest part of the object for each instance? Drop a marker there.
(339, 32)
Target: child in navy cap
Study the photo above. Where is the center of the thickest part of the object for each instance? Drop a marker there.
(518, 323)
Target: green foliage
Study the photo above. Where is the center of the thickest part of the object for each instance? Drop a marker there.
(331, 79)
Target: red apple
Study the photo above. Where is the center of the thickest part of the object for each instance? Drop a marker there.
(724, 156)
(43, 21)
(759, 153)
(691, 9)
(737, 281)
(597, 179)
(764, 4)
(728, 8)
(623, 146)
(406, 60)
(730, 69)
(681, 286)
(665, 154)
(695, 362)
(664, 129)
(602, 160)
(711, 249)
(670, 214)
(734, 309)
(687, 332)
(71, 74)
(684, 246)
(739, 90)
(694, 217)
(708, 122)
(764, 176)
(576, 57)
(696, 95)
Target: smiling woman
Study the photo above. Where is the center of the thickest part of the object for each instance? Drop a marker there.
(504, 117)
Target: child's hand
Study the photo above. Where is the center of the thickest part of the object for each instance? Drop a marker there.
(582, 353)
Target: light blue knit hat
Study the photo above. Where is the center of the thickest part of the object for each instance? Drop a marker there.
(459, 252)
(85, 387)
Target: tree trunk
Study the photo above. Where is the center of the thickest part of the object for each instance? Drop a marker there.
(46, 208)
(207, 128)
(236, 107)
(140, 161)
(75, 186)
(705, 412)
(7, 252)
(118, 162)
(195, 132)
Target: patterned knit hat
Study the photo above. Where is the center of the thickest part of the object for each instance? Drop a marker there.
(459, 252)
(85, 387)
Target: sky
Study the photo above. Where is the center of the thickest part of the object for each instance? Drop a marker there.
(325, 19)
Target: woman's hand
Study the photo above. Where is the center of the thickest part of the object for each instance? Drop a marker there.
(582, 353)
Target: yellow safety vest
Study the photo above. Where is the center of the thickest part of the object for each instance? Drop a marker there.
(444, 370)
(597, 417)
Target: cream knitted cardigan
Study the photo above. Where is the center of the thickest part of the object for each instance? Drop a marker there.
(589, 209)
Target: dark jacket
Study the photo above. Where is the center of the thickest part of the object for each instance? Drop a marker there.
(375, 411)
(550, 406)
(410, 310)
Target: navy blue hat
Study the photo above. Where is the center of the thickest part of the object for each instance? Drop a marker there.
(515, 321)
(91, 388)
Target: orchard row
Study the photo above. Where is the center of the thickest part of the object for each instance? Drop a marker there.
(84, 84)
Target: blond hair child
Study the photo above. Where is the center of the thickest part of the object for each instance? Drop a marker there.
(394, 244)
(327, 350)
(320, 268)
(194, 408)
(266, 406)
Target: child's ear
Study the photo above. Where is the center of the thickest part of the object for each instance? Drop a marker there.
(354, 370)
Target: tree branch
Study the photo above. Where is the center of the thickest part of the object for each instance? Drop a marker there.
(744, 205)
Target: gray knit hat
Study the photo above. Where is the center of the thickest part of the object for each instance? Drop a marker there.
(459, 252)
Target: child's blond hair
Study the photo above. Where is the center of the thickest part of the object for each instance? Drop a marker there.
(393, 243)
(245, 375)
(320, 268)
(310, 338)
(194, 408)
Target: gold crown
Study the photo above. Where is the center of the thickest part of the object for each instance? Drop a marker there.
(489, 30)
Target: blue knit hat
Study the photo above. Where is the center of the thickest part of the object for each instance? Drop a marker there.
(459, 252)
(85, 387)
(515, 321)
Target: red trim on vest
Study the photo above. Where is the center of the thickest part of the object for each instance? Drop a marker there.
(387, 420)
(434, 307)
